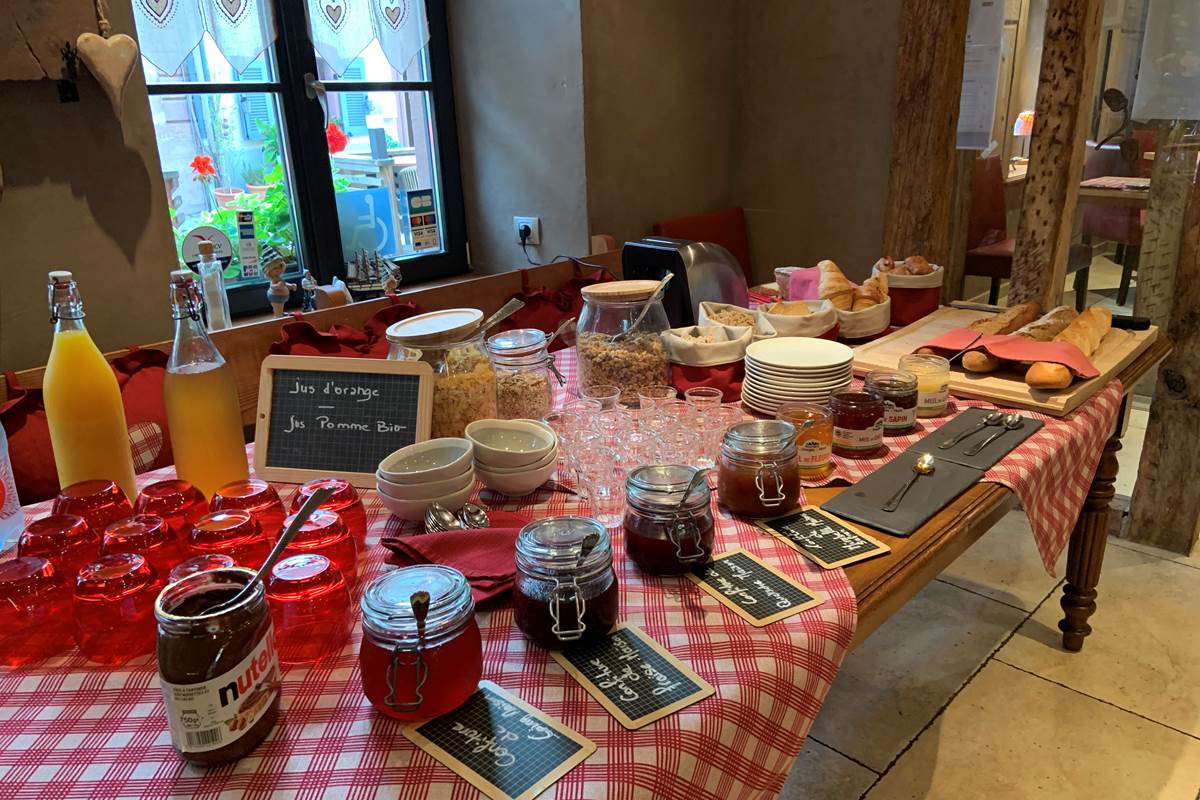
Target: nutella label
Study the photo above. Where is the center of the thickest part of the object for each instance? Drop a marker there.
(934, 400)
(896, 418)
(813, 453)
(851, 439)
(209, 715)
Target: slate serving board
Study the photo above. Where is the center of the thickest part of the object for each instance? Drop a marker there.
(929, 495)
(990, 455)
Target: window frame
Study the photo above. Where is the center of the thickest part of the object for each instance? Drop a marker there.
(305, 152)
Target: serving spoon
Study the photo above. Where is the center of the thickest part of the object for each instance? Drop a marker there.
(654, 296)
(507, 310)
(922, 466)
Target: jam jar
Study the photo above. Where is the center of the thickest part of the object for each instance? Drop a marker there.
(898, 391)
(566, 590)
(857, 424)
(421, 653)
(666, 533)
(758, 474)
(218, 667)
(933, 382)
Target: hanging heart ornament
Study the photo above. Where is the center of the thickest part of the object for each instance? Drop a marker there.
(112, 62)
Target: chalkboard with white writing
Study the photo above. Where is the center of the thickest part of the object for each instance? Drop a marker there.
(754, 591)
(634, 677)
(501, 745)
(338, 416)
(824, 538)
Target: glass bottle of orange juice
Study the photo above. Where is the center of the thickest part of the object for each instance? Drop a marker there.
(83, 402)
(201, 398)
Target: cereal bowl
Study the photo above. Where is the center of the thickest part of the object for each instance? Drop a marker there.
(517, 483)
(549, 458)
(509, 442)
(432, 460)
(418, 491)
(414, 510)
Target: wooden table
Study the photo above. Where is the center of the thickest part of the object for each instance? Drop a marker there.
(1132, 198)
(884, 584)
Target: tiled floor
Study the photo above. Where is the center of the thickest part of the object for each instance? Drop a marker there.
(966, 692)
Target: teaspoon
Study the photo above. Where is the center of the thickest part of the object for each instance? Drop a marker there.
(993, 418)
(1012, 422)
(922, 466)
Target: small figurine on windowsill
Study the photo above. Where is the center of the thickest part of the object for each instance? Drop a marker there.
(308, 292)
(392, 281)
(280, 290)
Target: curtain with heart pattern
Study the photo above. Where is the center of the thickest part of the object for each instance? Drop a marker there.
(168, 30)
(342, 29)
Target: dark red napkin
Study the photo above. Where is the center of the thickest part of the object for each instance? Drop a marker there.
(1016, 348)
(485, 555)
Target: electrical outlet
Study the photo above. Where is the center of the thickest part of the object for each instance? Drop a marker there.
(535, 229)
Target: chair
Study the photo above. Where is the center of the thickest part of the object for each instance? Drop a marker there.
(726, 227)
(989, 247)
(1114, 223)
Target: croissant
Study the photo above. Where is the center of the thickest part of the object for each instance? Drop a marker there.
(871, 293)
(834, 287)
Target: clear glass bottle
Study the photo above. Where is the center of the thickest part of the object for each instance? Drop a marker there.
(203, 413)
(212, 279)
(525, 374)
(636, 361)
(84, 411)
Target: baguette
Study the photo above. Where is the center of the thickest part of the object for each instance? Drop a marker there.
(1007, 320)
(1042, 329)
(1086, 332)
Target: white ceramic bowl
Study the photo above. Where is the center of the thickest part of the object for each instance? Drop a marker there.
(414, 510)
(510, 442)
(433, 460)
(516, 484)
(549, 458)
(419, 491)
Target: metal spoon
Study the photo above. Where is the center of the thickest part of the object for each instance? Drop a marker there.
(506, 311)
(922, 466)
(298, 519)
(1012, 422)
(994, 418)
(439, 519)
(568, 322)
(700, 477)
(655, 295)
(474, 516)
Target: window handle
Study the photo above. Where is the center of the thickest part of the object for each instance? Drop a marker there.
(314, 89)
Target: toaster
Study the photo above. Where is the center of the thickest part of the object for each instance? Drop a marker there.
(703, 271)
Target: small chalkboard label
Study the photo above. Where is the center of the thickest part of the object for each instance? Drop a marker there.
(824, 538)
(501, 745)
(634, 677)
(754, 591)
(338, 416)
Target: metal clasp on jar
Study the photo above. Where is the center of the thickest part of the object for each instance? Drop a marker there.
(567, 592)
(393, 671)
(682, 528)
(771, 469)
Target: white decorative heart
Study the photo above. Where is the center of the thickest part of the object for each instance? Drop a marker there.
(111, 61)
(158, 9)
(335, 14)
(232, 9)
(394, 14)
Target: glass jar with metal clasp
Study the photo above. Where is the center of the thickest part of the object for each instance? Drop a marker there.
(666, 533)
(421, 653)
(758, 474)
(566, 590)
(525, 374)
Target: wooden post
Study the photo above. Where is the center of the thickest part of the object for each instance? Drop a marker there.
(1062, 117)
(960, 220)
(928, 84)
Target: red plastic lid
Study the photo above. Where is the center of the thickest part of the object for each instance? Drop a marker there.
(168, 498)
(251, 493)
(321, 529)
(222, 529)
(135, 534)
(344, 494)
(304, 576)
(91, 494)
(114, 576)
(200, 563)
(27, 577)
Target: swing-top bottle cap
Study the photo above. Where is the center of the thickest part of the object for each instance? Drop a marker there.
(60, 276)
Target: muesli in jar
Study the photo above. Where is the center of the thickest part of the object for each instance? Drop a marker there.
(612, 351)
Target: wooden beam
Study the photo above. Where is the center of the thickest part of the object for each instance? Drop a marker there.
(1166, 506)
(928, 84)
(1061, 121)
(960, 221)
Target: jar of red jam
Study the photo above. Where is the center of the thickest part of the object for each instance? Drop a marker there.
(325, 533)
(148, 536)
(666, 533)
(34, 601)
(234, 533)
(98, 501)
(65, 540)
(344, 500)
(857, 424)
(898, 391)
(421, 653)
(566, 590)
(758, 474)
(177, 501)
(257, 497)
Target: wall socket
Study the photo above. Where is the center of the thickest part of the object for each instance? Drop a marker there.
(535, 228)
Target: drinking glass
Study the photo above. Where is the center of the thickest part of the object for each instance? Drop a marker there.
(607, 396)
(148, 536)
(34, 601)
(579, 413)
(201, 563)
(65, 540)
(612, 425)
(606, 493)
(177, 501)
(649, 400)
(712, 427)
(324, 533)
(259, 499)
(344, 500)
(703, 398)
(234, 533)
(310, 606)
(114, 608)
(99, 502)
(680, 445)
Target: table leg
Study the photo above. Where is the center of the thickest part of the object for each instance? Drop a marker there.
(1085, 554)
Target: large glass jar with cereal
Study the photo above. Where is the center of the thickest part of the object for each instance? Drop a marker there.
(464, 380)
(613, 354)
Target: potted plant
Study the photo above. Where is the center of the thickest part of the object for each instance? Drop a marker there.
(255, 184)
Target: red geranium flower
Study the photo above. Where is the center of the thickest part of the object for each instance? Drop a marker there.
(202, 168)
(335, 137)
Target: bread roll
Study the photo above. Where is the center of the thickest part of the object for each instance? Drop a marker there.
(788, 308)
(1086, 333)
(1007, 320)
(885, 264)
(916, 265)
(834, 287)
(1042, 329)
(873, 292)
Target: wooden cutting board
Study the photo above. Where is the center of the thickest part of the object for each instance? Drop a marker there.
(1005, 387)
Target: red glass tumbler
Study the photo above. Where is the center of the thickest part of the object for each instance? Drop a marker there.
(65, 540)
(324, 533)
(176, 501)
(256, 496)
(34, 600)
(344, 500)
(200, 564)
(310, 605)
(234, 533)
(148, 536)
(114, 608)
(98, 501)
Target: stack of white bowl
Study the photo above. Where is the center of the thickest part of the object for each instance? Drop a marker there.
(513, 456)
(436, 471)
(794, 368)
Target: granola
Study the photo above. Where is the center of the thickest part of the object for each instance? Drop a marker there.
(732, 316)
(633, 363)
(523, 394)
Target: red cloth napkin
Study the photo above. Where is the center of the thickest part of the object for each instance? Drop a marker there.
(487, 556)
(1017, 348)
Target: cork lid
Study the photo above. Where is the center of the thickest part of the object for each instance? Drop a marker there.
(206, 247)
(447, 325)
(619, 291)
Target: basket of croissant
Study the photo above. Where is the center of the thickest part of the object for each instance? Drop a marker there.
(914, 285)
(863, 311)
(817, 319)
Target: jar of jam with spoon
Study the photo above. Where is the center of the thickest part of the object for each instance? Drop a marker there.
(758, 474)
(668, 531)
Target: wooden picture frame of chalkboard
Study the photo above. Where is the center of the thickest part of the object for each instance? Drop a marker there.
(635, 678)
(753, 589)
(320, 416)
(501, 745)
(826, 540)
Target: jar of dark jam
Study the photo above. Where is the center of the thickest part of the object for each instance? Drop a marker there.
(566, 590)
(857, 424)
(218, 667)
(898, 391)
(662, 535)
(758, 474)
(421, 653)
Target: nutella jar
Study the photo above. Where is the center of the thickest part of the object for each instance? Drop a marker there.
(219, 671)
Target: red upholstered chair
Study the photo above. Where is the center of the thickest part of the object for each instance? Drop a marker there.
(1112, 223)
(726, 227)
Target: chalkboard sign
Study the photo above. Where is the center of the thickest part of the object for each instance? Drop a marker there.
(754, 591)
(634, 677)
(501, 745)
(824, 538)
(338, 416)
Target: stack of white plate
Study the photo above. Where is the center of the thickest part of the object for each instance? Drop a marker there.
(794, 368)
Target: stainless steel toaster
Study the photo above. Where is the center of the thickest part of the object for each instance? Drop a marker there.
(703, 271)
